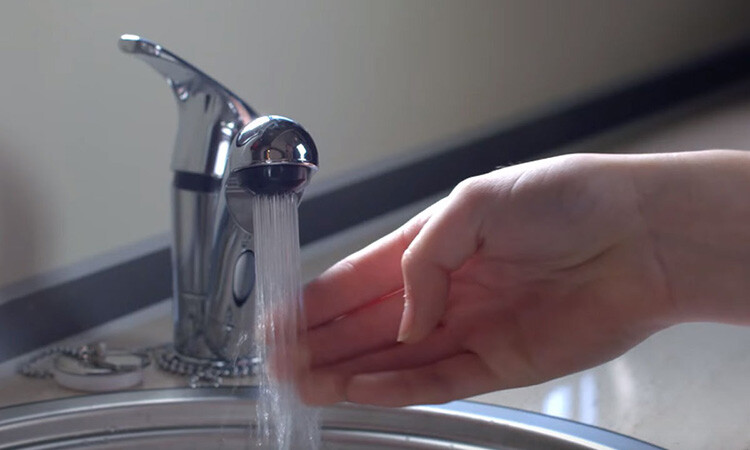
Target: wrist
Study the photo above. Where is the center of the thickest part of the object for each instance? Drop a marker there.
(696, 210)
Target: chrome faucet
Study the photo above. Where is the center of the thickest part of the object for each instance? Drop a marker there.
(224, 155)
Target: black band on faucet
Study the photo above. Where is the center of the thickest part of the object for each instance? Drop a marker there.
(196, 182)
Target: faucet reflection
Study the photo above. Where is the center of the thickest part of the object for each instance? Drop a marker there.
(575, 402)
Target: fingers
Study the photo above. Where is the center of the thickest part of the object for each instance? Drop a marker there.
(457, 377)
(366, 329)
(364, 276)
(324, 385)
(442, 246)
(402, 356)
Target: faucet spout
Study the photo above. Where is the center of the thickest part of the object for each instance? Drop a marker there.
(272, 155)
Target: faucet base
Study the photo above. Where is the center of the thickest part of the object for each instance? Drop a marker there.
(170, 360)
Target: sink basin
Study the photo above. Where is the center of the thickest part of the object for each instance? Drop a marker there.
(220, 419)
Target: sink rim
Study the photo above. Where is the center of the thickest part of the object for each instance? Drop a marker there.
(460, 421)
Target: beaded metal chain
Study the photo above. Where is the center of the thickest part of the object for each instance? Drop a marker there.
(200, 372)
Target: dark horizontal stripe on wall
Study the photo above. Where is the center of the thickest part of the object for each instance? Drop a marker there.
(60, 311)
(56, 312)
(340, 209)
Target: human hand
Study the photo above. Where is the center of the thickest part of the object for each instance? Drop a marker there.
(519, 276)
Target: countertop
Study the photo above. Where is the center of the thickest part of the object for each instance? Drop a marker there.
(687, 387)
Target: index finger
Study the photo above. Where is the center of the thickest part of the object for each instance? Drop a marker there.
(366, 275)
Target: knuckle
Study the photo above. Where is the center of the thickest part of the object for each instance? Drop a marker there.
(469, 188)
(475, 191)
(410, 259)
(471, 199)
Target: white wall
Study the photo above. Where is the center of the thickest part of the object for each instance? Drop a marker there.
(86, 132)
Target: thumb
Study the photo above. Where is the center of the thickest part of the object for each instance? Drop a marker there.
(443, 245)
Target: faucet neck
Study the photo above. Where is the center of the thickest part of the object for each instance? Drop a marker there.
(210, 115)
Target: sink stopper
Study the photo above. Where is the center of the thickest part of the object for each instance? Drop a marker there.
(91, 368)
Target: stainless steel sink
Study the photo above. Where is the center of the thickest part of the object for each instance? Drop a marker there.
(220, 419)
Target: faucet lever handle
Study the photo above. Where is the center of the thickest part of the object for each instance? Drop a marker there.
(176, 70)
(210, 115)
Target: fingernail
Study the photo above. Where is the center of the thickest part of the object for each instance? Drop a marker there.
(405, 325)
(403, 334)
